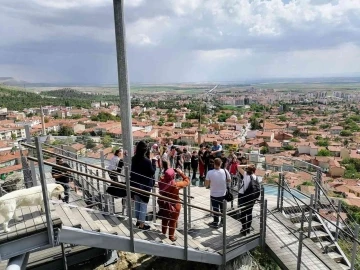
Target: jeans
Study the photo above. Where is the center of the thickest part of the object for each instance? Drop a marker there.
(246, 214)
(66, 187)
(140, 209)
(217, 206)
(194, 169)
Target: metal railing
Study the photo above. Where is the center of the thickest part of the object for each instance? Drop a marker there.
(91, 179)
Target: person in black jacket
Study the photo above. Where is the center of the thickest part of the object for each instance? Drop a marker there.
(194, 164)
(141, 177)
(61, 176)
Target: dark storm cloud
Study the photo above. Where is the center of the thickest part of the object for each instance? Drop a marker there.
(172, 40)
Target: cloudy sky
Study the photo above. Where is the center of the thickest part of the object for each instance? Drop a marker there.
(179, 40)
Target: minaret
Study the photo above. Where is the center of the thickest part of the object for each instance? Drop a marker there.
(42, 121)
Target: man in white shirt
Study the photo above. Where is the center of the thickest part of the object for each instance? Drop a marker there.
(247, 202)
(217, 179)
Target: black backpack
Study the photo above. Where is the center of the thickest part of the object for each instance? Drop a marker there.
(253, 190)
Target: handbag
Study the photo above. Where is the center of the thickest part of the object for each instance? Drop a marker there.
(116, 191)
(228, 196)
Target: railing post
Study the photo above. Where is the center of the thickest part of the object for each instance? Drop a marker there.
(129, 210)
(31, 163)
(224, 232)
(301, 235)
(263, 237)
(154, 205)
(106, 197)
(189, 208)
(278, 196)
(354, 247)
(338, 221)
(302, 219)
(185, 224)
(44, 190)
(99, 192)
(310, 214)
(282, 192)
(262, 199)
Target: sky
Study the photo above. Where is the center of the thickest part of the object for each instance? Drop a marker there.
(73, 41)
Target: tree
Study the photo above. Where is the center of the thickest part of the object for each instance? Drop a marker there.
(90, 144)
(186, 125)
(346, 133)
(13, 136)
(282, 118)
(324, 153)
(107, 141)
(66, 131)
(167, 134)
(46, 120)
(264, 150)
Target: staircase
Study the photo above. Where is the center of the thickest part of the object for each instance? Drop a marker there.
(319, 234)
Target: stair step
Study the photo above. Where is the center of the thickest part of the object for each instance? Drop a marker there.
(314, 224)
(66, 216)
(85, 215)
(335, 256)
(102, 223)
(331, 246)
(343, 266)
(318, 234)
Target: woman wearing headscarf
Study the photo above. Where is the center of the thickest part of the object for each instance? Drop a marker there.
(169, 210)
(142, 177)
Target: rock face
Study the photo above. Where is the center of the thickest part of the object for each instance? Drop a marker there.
(13, 182)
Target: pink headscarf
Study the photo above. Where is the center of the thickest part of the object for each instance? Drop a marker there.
(168, 180)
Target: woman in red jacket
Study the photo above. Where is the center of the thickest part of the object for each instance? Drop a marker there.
(170, 211)
(233, 170)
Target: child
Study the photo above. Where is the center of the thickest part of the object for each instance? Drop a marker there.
(194, 166)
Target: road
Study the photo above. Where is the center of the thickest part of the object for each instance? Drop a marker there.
(213, 89)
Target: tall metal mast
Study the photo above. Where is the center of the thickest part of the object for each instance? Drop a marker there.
(124, 90)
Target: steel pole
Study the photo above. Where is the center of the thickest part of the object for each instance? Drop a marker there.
(310, 214)
(129, 210)
(124, 90)
(224, 233)
(354, 248)
(300, 250)
(45, 193)
(185, 224)
(32, 165)
(338, 221)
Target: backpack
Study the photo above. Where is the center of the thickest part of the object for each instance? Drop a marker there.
(253, 190)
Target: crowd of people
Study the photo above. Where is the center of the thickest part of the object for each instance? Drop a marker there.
(175, 167)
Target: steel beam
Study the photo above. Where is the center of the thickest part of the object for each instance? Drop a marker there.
(124, 89)
(18, 262)
(107, 241)
(26, 244)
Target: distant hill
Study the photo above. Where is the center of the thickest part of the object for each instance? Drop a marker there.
(68, 93)
(19, 100)
(11, 81)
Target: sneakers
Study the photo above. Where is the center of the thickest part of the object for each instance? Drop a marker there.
(244, 232)
(214, 225)
(144, 228)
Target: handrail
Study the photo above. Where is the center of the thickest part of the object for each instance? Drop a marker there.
(72, 159)
(269, 211)
(82, 163)
(121, 185)
(288, 190)
(323, 191)
(315, 211)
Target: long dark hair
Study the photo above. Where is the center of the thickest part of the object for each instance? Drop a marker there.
(142, 149)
